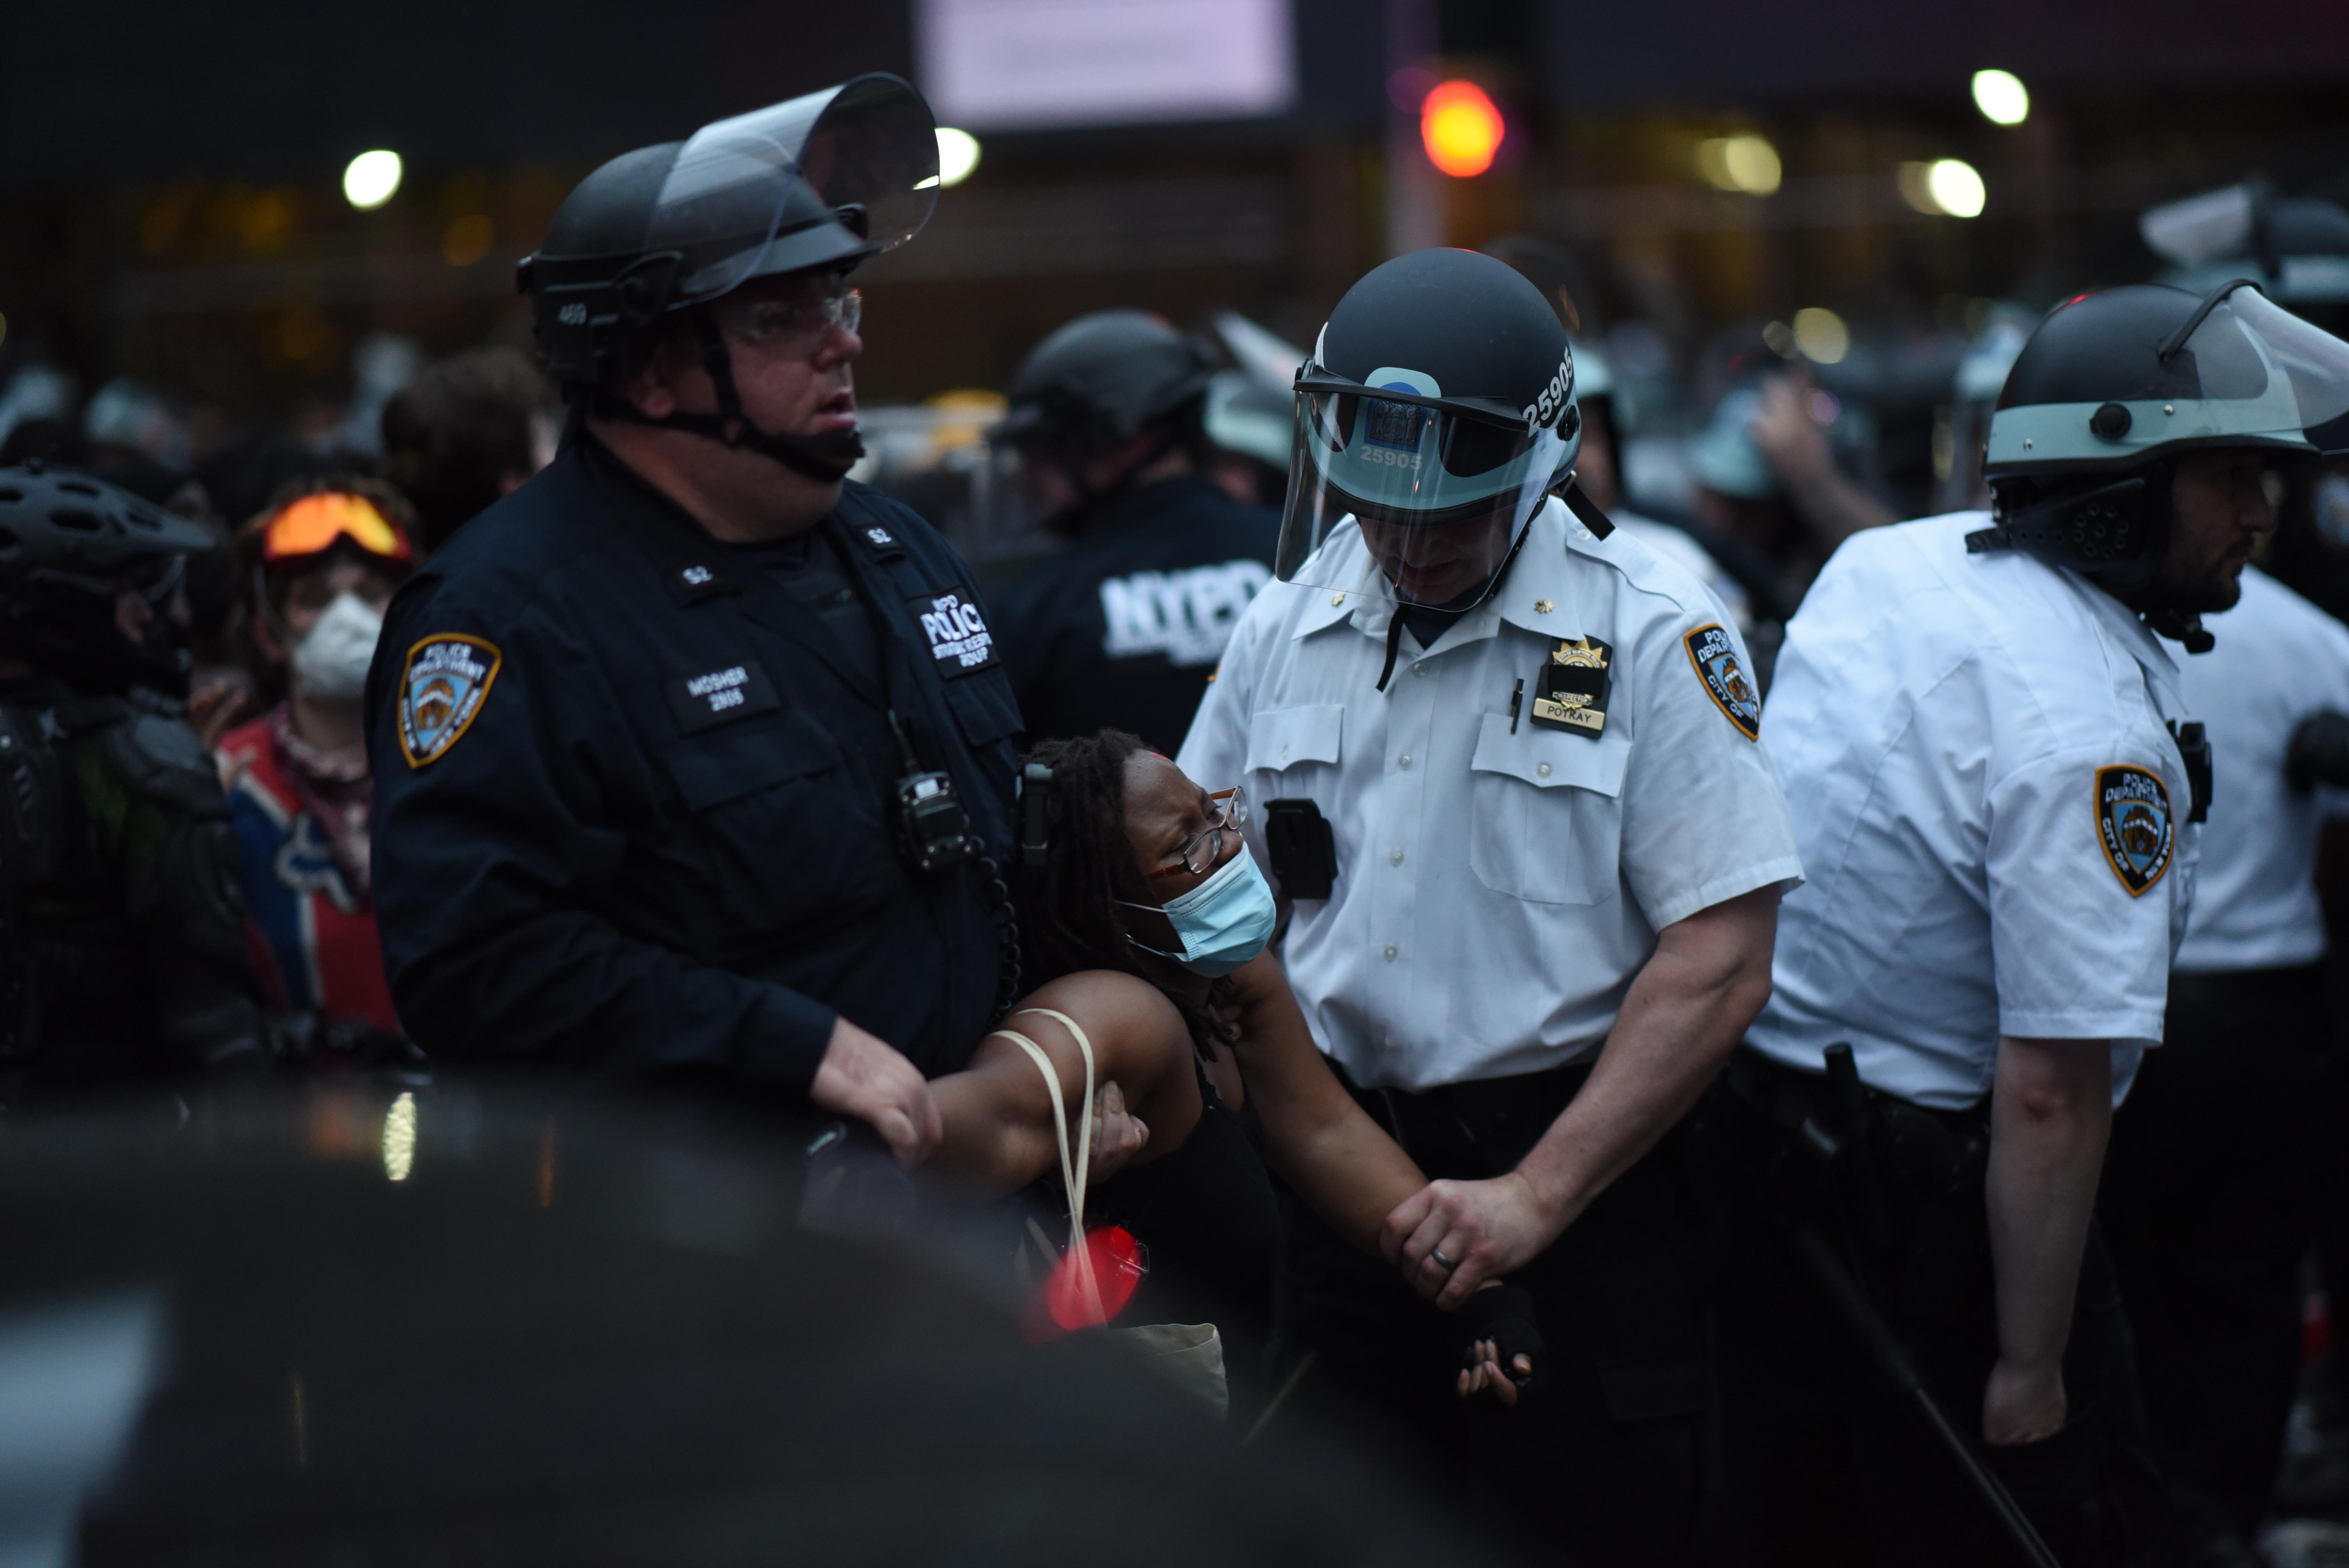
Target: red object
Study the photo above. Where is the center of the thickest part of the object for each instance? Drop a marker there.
(1087, 1287)
(310, 925)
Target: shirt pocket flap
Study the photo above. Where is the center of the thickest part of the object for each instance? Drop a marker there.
(1546, 757)
(738, 759)
(1288, 736)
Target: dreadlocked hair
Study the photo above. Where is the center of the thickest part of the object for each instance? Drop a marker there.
(1068, 908)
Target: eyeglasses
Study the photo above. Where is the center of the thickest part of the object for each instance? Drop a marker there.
(793, 325)
(1203, 848)
(313, 524)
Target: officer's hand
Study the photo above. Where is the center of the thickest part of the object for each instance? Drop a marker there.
(2022, 1407)
(862, 1076)
(1484, 1230)
(1119, 1135)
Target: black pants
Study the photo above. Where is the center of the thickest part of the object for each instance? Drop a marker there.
(2208, 1201)
(1604, 1467)
(1828, 1468)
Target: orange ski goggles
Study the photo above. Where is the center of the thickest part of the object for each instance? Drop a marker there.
(314, 522)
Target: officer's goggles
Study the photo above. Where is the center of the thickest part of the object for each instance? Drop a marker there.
(794, 321)
(311, 524)
(1201, 849)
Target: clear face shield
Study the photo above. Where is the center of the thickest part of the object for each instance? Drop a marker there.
(869, 145)
(2287, 375)
(1441, 490)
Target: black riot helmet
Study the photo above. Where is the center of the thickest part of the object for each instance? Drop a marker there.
(1097, 384)
(812, 185)
(2111, 388)
(69, 547)
(1102, 379)
(1439, 399)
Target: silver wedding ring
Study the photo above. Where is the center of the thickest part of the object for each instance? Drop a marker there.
(1437, 1254)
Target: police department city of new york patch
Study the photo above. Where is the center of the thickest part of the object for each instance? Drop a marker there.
(442, 691)
(1714, 654)
(2132, 818)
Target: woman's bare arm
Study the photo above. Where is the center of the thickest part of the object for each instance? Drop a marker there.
(999, 1131)
(1321, 1142)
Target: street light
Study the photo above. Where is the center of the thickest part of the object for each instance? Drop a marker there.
(1945, 187)
(957, 155)
(371, 179)
(2002, 97)
(1746, 162)
(1460, 129)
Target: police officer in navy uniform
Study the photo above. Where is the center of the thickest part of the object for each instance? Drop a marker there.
(689, 755)
(1997, 786)
(1123, 630)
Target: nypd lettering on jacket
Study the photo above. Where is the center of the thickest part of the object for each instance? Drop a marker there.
(720, 697)
(960, 640)
(1186, 615)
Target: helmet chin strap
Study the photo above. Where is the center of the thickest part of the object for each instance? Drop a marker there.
(823, 458)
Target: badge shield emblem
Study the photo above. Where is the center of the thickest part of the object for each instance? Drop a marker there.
(2134, 821)
(442, 691)
(1714, 654)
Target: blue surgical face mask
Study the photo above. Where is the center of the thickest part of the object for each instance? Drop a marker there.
(1224, 922)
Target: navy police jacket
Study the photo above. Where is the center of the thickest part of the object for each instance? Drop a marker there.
(1122, 630)
(634, 808)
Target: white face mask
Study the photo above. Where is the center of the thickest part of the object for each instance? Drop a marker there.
(333, 660)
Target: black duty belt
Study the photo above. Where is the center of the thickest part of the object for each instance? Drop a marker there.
(1476, 1130)
(2227, 988)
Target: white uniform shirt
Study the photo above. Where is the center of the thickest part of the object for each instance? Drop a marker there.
(2279, 659)
(1991, 808)
(1498, 887)
(1678, 544)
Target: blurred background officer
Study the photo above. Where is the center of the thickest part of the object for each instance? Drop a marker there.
(687, 755)
(1598, 466)
(322, 566)
(1534, 852)
(1123, 630)
(467, 430)
(1995, 791)
(2209, 1190)
(123, 945)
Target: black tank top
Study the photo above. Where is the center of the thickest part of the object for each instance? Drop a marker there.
(1208, 1214)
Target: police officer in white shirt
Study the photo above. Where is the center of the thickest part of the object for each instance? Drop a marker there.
(1533, 851)
(1994, 784)
(2209, 1192)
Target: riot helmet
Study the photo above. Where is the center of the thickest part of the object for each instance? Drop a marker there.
(1434, 418)
(2111, 389)
(812, 185)
(70, 546)
(1096, 384)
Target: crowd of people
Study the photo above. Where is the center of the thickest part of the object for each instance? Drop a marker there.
(1703, 1024)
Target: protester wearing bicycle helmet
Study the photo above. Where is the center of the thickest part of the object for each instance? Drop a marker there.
(121, 930)
(1511, 787)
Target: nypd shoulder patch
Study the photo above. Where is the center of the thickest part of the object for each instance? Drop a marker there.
(2133, 819)
(441, 689)
(1714, 654)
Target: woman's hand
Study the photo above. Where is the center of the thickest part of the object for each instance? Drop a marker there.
(1503, 1346)
(1485, 1372)
(1119, 1135)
